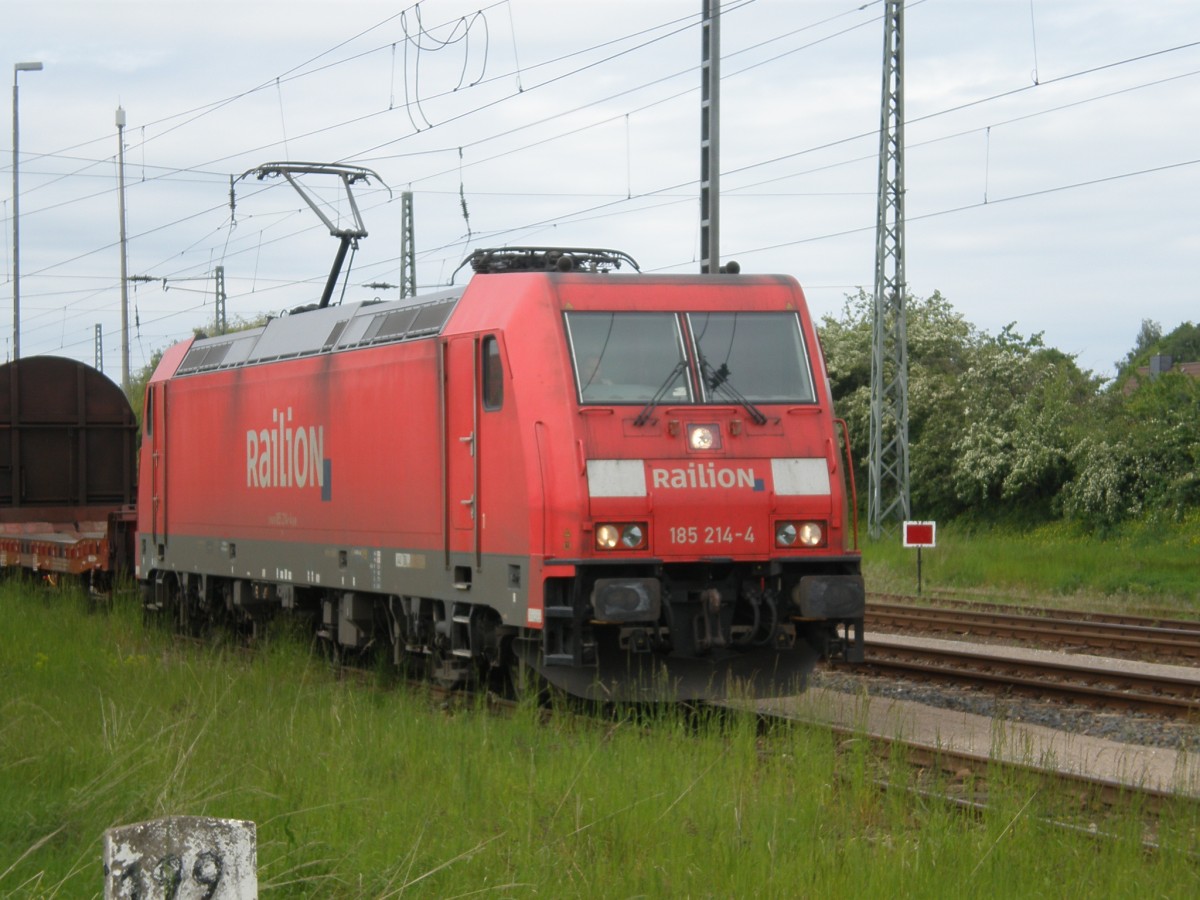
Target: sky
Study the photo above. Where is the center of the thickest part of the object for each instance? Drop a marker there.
(1051, 163)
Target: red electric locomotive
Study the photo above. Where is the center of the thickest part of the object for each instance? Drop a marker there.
(631, 484)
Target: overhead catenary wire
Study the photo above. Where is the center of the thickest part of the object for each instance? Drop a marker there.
(618, 116)
(278, 81)
(629, 195)
(808, 150)
(673, 75)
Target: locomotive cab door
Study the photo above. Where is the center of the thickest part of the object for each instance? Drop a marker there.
(460, 405)
(156, 434)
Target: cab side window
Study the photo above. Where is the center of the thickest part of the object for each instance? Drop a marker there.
(493, 374)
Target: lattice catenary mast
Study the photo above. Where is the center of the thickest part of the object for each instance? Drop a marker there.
(888, 497)
(408, 247)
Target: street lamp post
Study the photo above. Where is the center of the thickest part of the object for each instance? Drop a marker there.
(124, 273)
(18, 68)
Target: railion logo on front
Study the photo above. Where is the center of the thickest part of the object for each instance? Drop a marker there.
(284, 455)
(706, 476)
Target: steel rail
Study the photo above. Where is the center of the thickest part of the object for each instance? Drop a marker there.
(1161, 695)
(945, 601)
(1158, 641)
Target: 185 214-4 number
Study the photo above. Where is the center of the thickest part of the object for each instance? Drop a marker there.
(711, 534)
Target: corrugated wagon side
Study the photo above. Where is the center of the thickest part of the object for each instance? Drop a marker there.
(68, 469)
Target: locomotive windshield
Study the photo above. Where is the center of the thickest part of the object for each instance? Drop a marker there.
(628, 357)
(757, 355)
(636, 357)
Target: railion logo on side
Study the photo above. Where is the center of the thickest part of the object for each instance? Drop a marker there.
(287, 456)
(706, 476)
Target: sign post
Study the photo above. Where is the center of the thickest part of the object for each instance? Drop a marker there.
(920, 534)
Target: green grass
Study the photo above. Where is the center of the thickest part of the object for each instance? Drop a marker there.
(362, 791)
(1141, 568)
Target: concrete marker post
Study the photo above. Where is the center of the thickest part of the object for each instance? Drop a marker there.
(182, 858)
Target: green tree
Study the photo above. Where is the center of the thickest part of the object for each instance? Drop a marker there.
(1148, 337)
(940, 347)
(992, 421)
(1143, 462)
(1025, 407)
(137, 386)
(846, 344)
(1182, 344)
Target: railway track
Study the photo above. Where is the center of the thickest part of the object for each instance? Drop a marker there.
(1106, 688)
(965, 778)
(1171, 696)
(957, 777)
(948, 601)
(1156, 639)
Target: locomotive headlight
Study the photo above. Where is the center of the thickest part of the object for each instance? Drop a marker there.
(621, 536)
(785, 534)
(802, 534)
(812, 534)
(633, 536)
(607, 537)
(704, 437)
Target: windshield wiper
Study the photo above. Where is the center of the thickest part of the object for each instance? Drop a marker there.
(644, 416)
(718, 380)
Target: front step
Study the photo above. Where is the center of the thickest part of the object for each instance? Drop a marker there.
(462, 633)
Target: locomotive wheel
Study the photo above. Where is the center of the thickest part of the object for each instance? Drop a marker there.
(448, 671)
(188, 620)
(329, 649)
(160, 603)
(526, 681)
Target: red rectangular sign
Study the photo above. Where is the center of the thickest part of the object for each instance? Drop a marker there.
(920, 534)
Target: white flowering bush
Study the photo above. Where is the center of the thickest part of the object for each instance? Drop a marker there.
(1004, 426)
(1144, 460)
